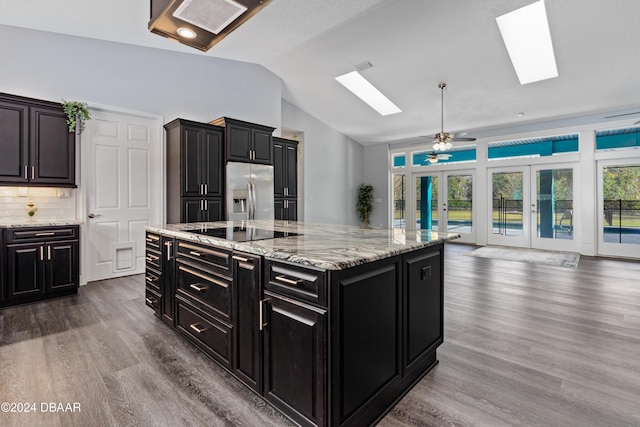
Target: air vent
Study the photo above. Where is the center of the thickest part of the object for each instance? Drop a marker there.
(211, 15)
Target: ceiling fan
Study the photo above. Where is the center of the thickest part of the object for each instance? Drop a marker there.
(442, 140)
(433, 157)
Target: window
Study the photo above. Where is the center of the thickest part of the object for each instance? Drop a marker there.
(534, 147)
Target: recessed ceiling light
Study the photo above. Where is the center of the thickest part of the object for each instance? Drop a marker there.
(368, 93)
(526, 35)
(187, 33)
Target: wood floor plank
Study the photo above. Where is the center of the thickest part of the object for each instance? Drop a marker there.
(525, 345)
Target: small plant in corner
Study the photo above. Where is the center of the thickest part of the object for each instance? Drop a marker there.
(365, 203)
(77, 113)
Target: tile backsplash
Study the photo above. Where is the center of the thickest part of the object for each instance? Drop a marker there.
(52, 203)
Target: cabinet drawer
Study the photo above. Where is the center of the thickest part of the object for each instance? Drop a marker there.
(213, 336)
(153, 241)
(152, 299)
(154, 259)
(15, 235)
(305, 283)
(152, 280)
(210, 289)
(208, 257)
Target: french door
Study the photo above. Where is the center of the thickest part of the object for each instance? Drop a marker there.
(619, 207)
(533, 207)
(443, 203)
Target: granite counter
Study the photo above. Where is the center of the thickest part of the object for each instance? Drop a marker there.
(326, 246)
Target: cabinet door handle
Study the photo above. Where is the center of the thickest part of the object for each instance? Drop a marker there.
(196, 327)
(206, 189)
(51, 233)
(26, 168)
(206, 205)
(41, 253)
(33, 172)
(261, 323)
(198, 287)
(49, 252)
(289, 281)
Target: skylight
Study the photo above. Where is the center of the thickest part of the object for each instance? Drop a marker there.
(526, 34)
(368, 93)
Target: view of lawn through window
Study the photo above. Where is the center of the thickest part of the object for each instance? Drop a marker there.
(621, 213)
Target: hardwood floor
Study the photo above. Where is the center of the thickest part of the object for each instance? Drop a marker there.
(525, 345)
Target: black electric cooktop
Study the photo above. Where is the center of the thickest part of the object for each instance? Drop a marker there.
(242, 234)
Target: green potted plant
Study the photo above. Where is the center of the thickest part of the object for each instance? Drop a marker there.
(365, 203)
(77, 113)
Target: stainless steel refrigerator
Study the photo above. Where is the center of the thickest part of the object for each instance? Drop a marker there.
(249, 191)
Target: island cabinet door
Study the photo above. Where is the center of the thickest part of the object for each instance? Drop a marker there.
(295, 359)
(246, 278)
(423, 308)
(366, 340)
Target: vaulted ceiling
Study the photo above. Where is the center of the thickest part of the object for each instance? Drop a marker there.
(413, 45)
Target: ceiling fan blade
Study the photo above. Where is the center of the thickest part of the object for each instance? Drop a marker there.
(464, 139)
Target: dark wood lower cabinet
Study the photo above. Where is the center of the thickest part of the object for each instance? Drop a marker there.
(247, 272)
(326, 347)
(295, 359)
(39, 263)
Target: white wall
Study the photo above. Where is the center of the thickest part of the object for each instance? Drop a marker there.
(376, 159)
(332, 168)
(197, 87)
(54, 66)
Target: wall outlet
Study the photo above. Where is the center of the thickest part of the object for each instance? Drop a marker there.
(64, 193)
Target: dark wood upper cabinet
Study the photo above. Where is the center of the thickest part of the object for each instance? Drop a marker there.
(37, 148)
(195, 171)
(14, 141)
(247, 142)
(52, 147)
(285, 167)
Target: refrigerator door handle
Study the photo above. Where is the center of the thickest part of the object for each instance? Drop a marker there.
(255, 200)
(249, 201)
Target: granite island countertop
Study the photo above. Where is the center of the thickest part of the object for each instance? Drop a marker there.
(38, 223)
(326, 246)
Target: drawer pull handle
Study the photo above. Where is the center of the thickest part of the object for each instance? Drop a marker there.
(206, 251)
(198, 287)
(194, 253)
(151, 279)
(46, 234)
(202, 276)
(151, 301)
(241, 259)
(152, 239)
(289, 281)
(196, 327)
(152, 258)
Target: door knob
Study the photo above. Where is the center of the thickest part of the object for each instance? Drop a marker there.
(92, 215)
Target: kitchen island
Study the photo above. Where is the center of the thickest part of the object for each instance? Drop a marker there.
(330, 324)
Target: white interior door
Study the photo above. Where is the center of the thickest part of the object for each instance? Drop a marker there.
(121, 176)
